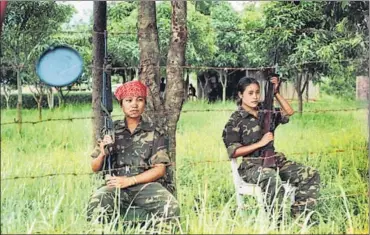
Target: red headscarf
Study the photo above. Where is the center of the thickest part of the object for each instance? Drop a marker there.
(2, 12)
(130, 89)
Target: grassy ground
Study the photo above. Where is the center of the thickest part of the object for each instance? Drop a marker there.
(205, 190)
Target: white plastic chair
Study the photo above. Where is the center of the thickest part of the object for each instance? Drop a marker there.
(243, 188)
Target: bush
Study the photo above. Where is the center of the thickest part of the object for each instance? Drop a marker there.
(28, 102)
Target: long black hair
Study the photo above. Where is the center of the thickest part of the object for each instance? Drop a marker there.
(242, 84)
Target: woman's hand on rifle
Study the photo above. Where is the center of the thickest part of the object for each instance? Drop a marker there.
(107, 139)
(247, 149)
(97, 163)
(266, 138)
(285, 106)
(276, 81)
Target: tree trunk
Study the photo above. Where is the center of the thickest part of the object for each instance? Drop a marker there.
(186, 87)
(38, 94)
(149, 71)
(201, 87)
(300, 103)
(135, 75)
(175, 82)
(19, 102)
(306, 78)
(307, 92)
(298, 85)
(39, 102)
(50, 97)
(61, 97)
(7, 96)
(100, 25)
(60, 100)
(149, 61)
(39, 107)
(204, 87)
(223, 79)
(125, 75)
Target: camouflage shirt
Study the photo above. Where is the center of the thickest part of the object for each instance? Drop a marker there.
(244, 129)
(134, 153)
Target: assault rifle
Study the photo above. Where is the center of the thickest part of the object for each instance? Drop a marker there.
(106, 102)
(267, 122)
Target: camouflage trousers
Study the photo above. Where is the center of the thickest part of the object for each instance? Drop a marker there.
(139, 202)
(306, 179)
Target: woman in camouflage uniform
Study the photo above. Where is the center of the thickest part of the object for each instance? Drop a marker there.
(138, 159)
(243, 137)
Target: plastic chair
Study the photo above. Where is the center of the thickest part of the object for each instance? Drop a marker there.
(243, 188)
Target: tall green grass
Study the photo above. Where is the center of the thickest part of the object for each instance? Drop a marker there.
(205, 190)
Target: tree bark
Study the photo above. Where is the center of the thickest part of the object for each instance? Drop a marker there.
(223, 79)
(204, 87)
(149, 70)
(37, 96)
(39, 107)
(186, 87)
(175, 83)
(306, 78)
(307, 92)
(135, 75)
(6, 95)
(19, 101)
(50, 97)
(125, 75)
(298, 85)
(100, 25)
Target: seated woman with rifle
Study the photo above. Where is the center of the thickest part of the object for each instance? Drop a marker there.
(133, 165)
(244, 136)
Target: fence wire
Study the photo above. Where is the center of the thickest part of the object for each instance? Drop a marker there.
(172, 164)
(189, 66)
(171, 112)
(137, 31)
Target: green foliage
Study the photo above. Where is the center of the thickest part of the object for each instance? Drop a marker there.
(204, 7)
(229, 37)
(200, 47)
(328, 32)
(28, 30)
(124, 48)
(28, 27)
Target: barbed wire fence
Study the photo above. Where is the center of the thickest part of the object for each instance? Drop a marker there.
(194, 163)
(193, 67)
(190, 67)
(169, 112)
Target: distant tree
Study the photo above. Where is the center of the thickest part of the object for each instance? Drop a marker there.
(28, 25)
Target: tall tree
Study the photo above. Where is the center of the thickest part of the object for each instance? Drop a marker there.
(201, 46)
(301, 34)
(166, 113)
(229, 41)
(28, 25)
(100, 25)
(175, 62)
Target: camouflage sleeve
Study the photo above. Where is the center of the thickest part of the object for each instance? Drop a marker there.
(231, 137)
(159, 151)
(95, 153)
(280, 118)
